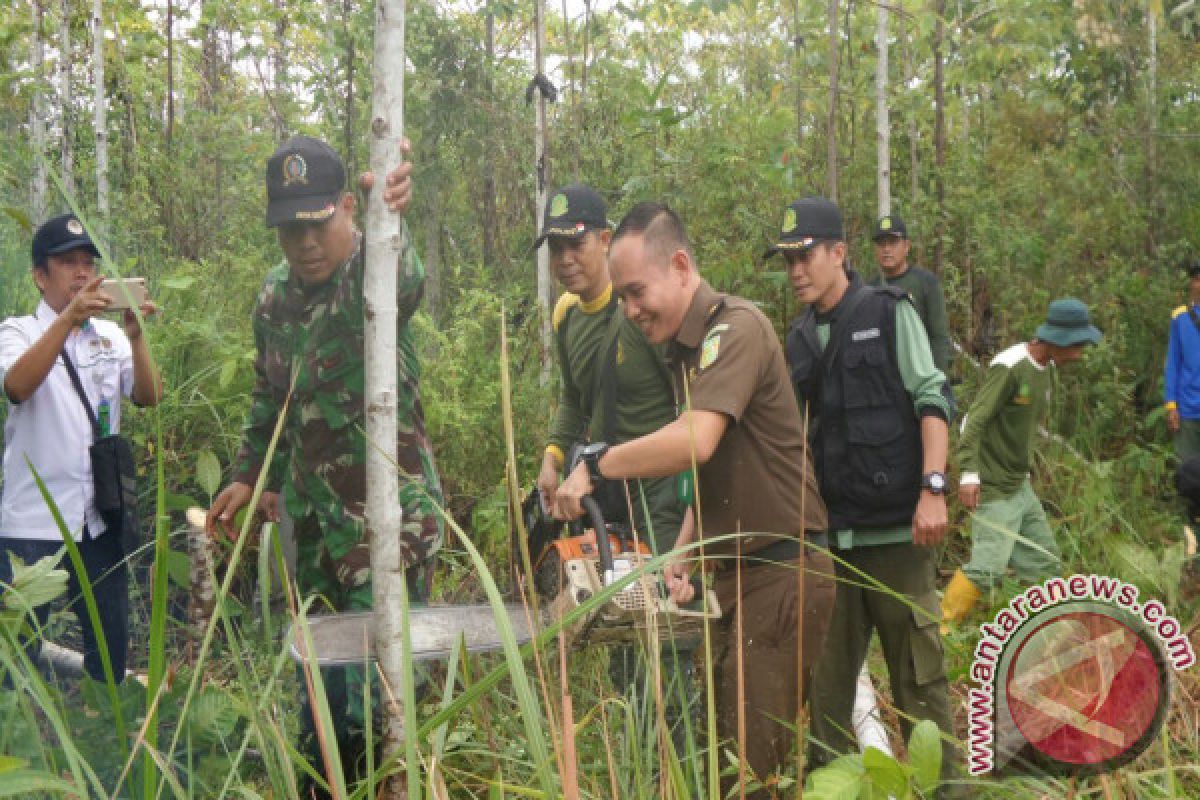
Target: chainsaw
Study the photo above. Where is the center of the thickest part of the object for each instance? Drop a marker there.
(568, 572)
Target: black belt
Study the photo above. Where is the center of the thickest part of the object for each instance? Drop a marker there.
(785, 551)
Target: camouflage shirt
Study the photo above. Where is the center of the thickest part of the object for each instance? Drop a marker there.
(320, 461)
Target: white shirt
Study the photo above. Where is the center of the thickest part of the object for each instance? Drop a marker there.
(51, 428)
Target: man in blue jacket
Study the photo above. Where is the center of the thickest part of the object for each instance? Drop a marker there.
(1182, 374)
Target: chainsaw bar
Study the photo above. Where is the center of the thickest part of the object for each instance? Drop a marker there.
(343, 639)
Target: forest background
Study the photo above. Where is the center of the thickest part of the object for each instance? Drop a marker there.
(1037, 148)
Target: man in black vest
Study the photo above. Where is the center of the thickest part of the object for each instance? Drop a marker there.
(878, 413)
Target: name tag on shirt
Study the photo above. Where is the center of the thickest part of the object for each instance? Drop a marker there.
(862, 336)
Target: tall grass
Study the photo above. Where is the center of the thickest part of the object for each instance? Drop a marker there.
(528, 722)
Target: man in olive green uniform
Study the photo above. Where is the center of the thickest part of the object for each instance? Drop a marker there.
(308, 331)
(615, 387)
(923, 287)
(739, 423)
(860, 362)
(615, 384)
(995, 452)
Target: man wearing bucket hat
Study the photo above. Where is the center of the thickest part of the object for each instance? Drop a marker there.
(309, 334)
(1009, 526)
(878, 411)
(1181, 376)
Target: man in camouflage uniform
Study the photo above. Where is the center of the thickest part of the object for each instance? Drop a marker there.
(308, 332)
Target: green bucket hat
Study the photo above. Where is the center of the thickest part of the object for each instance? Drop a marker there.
(1067, 324)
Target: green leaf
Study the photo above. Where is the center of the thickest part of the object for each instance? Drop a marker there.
(179, 569)
(179, 282)
(888, 775)
(26, 782)
(841, 780)
(925, 754)
(37, 583)
(229, 371)
(208, 472)
(8, 763)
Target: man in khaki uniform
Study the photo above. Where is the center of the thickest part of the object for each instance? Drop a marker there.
(739, 423)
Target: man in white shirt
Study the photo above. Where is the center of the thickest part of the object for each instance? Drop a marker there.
(49, 429)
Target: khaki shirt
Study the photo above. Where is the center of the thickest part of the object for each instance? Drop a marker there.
(760, 479)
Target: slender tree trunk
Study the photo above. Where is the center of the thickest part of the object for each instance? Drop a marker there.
(170, 75)
(587, 42)
(798, 73)
(913, 134)
(384, 244)
(882, 124)
(545, 287)
(350, 131)
(100, 115)
(569, 71)
(66, 99)
(489, 146)
(1151, 127)
(939, 136)
(37, 117)
(280, 70)
(831, 158)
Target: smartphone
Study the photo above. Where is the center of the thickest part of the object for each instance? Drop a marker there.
(123, 290)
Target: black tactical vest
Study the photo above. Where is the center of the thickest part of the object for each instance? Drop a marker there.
(864, 432)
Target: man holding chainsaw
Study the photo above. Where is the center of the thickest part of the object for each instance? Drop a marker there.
(756, 498)
(615, 387)
(615, 384)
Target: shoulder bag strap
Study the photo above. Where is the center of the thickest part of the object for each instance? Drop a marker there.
(82, 394)
(606, 374)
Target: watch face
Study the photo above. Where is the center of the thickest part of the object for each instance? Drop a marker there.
(936, 481)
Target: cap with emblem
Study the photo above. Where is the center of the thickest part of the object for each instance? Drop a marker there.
(61, 235)
(571, 212)
(1067, 324)
(305, 180)
(807, 221)
(891, 225)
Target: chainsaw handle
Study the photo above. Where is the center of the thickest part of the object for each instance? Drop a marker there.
(600, 529)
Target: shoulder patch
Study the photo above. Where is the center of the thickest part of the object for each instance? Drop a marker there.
(711, 347)
(1011, 357)
(1178, 311)
(564, 304)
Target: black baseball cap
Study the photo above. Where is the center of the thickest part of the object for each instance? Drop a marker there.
(807, 221)
(305, 180)
(572, 211)
(1192, 267)
(891, 225)
(61, 235)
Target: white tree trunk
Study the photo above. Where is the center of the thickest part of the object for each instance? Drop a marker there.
(545, 285)
(100, 115)
(831, 168)
(65, 97)
(883, 172)
(384, 245)
(37, 118)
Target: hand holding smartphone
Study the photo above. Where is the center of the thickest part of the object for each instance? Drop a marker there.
(122, 290)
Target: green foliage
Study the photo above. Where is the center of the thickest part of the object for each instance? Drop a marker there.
(875, 775)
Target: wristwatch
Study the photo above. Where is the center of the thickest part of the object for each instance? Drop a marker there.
(591, 456)
(935, 482)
